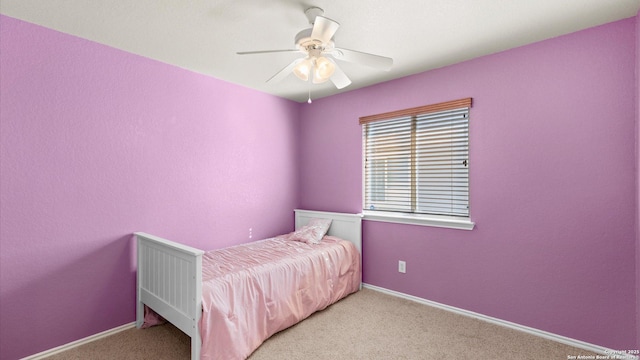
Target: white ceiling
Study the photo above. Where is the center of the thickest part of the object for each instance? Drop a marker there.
(204, 35)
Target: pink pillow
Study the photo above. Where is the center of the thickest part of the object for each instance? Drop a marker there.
(313, 232)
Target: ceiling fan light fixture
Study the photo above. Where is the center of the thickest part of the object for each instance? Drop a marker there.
(317, 44)
(303, 69)
(323, 70)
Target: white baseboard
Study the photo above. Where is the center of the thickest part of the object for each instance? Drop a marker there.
(529, 330)
(88, 339)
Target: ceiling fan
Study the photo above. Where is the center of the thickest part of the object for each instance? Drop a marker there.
(317, 44)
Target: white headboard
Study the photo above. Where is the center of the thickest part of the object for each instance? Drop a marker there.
(344, 226)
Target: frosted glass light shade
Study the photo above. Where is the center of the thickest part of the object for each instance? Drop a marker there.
(303, 69)
(323, 70)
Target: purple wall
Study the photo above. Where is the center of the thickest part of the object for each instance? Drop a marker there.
(552, 148)
(97, 143)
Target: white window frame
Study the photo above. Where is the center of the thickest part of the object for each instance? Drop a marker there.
(452, 222)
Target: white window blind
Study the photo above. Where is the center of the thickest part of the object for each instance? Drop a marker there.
(418, 162)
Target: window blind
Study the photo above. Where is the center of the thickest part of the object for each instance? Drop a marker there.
(418, 163)
(388, 165)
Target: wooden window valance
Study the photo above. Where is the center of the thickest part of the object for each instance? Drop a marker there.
(448, 105)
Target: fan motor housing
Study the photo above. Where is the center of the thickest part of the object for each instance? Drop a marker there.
(305, 42)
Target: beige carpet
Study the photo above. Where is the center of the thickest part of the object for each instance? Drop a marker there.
(365, 325)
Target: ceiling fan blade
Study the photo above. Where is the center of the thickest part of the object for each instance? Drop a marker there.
(324, 29)
(285, 71)
(358, 57)
(339, 78)
(265, 51)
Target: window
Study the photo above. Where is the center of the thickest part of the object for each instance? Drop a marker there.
(416, 165)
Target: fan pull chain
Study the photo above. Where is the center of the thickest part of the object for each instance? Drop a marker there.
(310, 77)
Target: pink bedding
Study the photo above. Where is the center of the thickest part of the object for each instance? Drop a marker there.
(254, 290)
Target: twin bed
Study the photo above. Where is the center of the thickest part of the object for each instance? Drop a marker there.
(230, 300)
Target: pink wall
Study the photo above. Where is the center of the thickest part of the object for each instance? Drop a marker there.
(97, 143)
(552, 136)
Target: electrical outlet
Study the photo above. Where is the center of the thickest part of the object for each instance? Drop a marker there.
(402, 266)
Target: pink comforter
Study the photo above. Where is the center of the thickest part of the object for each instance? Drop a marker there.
(254, 290)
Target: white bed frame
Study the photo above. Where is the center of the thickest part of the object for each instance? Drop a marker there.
(170, 274)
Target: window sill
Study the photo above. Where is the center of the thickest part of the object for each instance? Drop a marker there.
(449, 222)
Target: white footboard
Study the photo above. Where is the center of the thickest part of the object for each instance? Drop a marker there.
(170, 283)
